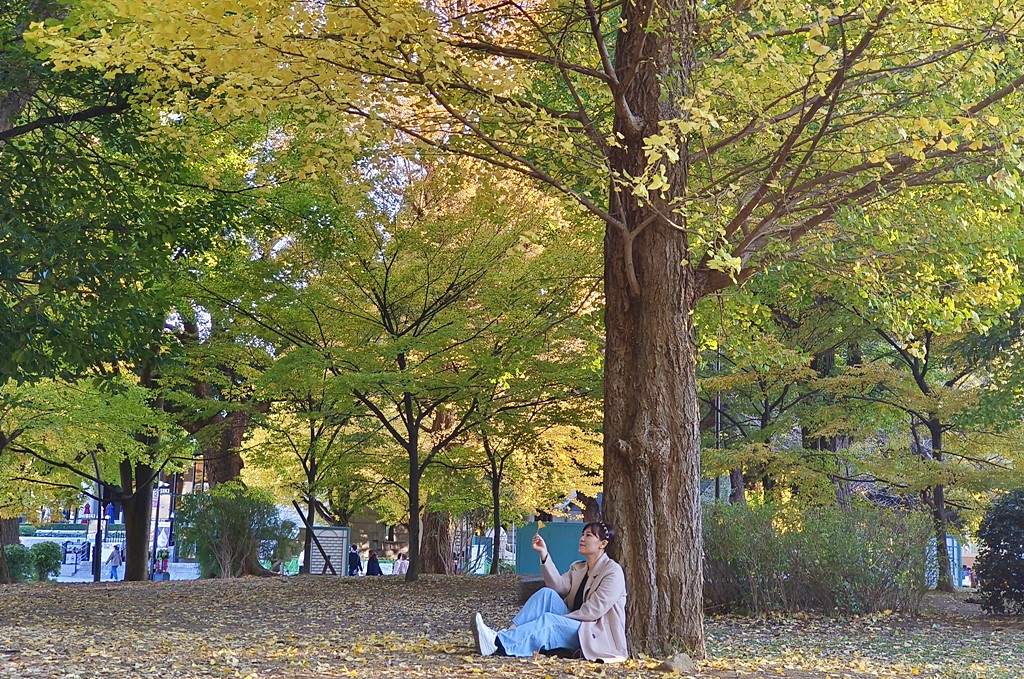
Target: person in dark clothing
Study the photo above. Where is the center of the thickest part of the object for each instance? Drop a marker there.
(355, 564)
(373, 566)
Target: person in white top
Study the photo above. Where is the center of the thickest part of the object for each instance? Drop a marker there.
(401, 566)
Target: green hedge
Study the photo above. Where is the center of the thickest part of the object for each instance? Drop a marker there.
(1000, 564)
(20, 562)
(766, 559)
(46, 560)
(230, 523)
(37, 563)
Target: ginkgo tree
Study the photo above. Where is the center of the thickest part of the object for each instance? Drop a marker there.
(925, 393)
(60, 440)
(708, 137)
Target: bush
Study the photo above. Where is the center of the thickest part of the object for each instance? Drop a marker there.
(1000, 563)
(26, 530)
(860, 560)
(46, 558)
(20, 563)
(231, 525)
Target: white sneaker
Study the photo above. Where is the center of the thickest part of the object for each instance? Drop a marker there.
(484, 636)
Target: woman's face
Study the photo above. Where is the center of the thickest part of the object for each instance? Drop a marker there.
(591, 544)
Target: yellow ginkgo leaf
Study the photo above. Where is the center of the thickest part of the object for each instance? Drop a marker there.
(817, 48)
(540, 524)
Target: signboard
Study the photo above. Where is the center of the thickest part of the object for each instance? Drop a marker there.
(335, 541)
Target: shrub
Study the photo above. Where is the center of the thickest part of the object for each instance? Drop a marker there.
(860, 560)
(20, 563)
(46, 558)
(230, 525)
(26, 530)
(1000, 563)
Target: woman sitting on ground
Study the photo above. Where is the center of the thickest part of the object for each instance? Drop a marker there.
(582, 611)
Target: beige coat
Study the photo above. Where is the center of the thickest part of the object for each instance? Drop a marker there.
(603, 613)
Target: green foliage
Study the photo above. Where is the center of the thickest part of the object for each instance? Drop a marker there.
(56, 433)
(229, 524)
(46, 557)
(20, 562)
(26, 530)
(1000, 564)
(767, 559)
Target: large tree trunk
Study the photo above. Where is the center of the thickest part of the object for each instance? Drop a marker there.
(137, 480)
(652, 451)
(224, 431)
(9, 535)
(651, 413)
(5, 573)
(20, 84)
(222, 457)
(436, 555)
(137, 508)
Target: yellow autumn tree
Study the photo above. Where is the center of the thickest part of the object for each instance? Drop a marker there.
(709, 138)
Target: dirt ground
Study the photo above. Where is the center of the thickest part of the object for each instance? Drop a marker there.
(377, 628)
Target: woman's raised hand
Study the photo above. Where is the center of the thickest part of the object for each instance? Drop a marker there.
(539, 545)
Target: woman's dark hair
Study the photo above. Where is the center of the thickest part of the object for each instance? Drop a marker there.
(602, 530)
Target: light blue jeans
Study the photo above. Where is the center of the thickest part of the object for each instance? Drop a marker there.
(113, 572)
(541, 626)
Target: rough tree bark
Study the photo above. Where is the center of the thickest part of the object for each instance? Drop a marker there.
(652, 419)
(136, 498)
(436, 557)
(591, 509)
(938, 503)
(738, 491)
(824, 364)
(494, 474)
(137, 507)
(9, 535)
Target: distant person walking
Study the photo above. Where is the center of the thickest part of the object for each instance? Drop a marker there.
(114, 561)
(373, 565)
(355, 564)
(401, 566)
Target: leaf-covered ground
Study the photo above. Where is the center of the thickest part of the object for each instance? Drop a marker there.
(375, 628)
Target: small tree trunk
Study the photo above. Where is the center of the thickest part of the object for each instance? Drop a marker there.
(945, 579)
(496, 516)
(307, 547)
(97, 548)
(737, 492)
(844, 489)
